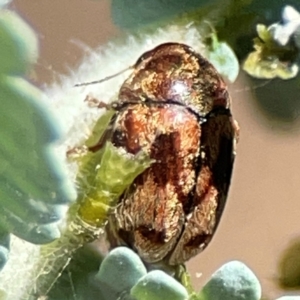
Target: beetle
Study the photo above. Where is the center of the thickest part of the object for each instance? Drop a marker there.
(175, 107)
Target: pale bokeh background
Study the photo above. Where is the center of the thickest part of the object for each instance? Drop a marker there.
(262, 213)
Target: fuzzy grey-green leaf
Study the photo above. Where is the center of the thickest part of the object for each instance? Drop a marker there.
(224, 60)
(233, 281)
(31, 232)
(157, 285)
(4, 3)
(119, 272)
(32, 176)
(18, 47)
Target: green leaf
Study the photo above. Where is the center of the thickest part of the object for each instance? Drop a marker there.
(270, 59)
(131, 14)
(223, 58)
(18, 47)
(157, 285)
(33, 182)
(4, 3)
(233, 281)
(119, 272)
(258, 67)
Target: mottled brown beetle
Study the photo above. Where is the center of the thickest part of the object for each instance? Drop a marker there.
(176, 108)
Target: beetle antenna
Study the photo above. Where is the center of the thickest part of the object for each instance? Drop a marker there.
(103, 79)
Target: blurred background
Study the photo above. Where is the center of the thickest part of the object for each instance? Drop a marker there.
(261, 219)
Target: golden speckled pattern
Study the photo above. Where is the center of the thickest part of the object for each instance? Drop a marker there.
(175, 107)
